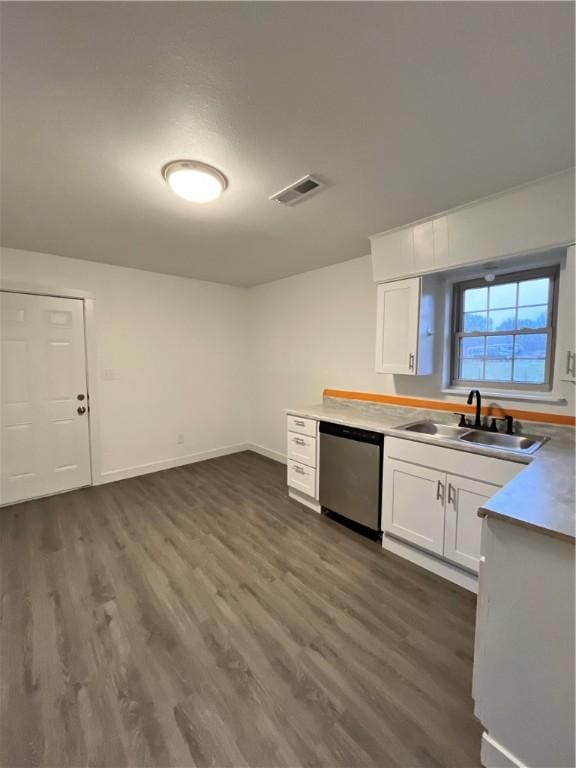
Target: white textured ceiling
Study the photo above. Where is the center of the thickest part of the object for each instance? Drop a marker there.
(405, 109)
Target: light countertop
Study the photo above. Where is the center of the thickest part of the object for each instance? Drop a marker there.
(541, 496)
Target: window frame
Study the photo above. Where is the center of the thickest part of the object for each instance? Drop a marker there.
(457, 332)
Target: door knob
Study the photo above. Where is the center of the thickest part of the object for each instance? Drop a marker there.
(81, 410)
(80, 397)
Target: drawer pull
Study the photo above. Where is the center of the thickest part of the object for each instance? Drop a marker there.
(298, 423)
(299, 441)
(299, 471)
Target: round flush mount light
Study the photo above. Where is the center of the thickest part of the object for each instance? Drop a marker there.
(194, 181)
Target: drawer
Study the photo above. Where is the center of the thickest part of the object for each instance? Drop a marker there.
(302, 478)
(302, 426)
(302, 448)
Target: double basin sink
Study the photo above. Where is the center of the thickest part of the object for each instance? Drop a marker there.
(524, 444)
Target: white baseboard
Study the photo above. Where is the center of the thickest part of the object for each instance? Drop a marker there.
(268, 452)
(494, 755)
(431, 563)
(112, 475)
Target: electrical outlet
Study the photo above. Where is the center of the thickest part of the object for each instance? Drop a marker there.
(180, 438)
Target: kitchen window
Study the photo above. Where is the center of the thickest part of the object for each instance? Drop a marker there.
(503, 330)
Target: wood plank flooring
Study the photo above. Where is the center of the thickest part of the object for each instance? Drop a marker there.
(198, 617)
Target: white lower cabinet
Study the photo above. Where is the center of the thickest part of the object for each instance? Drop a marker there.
(302, 478)
(301, 448)
(413, 501)
(302, 460)
(523, 684)
(427, 504)
(463, 526)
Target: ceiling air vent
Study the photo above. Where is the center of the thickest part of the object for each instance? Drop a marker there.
(299, 190)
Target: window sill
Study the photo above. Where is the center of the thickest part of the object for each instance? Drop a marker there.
(537, 397)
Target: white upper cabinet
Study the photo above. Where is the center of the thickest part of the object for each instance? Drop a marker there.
(565, 341)
(405, 324)
(395, 255)
(397, 326)
(535, 217)
(412, 250)
(423, 238)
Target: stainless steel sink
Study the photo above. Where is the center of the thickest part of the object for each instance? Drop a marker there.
(437, 430)
(448, 434)
(518, 443)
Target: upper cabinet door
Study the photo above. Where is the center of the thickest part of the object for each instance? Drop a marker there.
(423, 237)
(393, 254)
(463, 529)
(565, 342)
(398, 313)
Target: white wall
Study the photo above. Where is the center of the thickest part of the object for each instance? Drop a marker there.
(308, 332)
(317, 330)
(179, 351)
(220, 363)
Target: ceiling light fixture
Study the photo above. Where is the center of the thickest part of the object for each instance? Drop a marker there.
(194, 181)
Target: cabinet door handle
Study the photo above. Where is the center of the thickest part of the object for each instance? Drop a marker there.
(570, 356)
(411, 361)
(440, 492)
(451, 495)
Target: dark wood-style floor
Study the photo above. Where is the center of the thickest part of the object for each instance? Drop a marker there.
(198, 617)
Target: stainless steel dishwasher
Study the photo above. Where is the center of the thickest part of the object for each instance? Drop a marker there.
(351, 473)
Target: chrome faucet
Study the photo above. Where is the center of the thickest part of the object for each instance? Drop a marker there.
(478, 418)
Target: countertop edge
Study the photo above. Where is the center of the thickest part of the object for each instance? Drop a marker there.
(521, 523)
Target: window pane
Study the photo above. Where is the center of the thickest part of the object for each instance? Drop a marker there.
(504, 329)
(475, 321)
(475, 299)
(471, 369)
(499, 346)
(502, 295)
(472, 346)
(532, 317)
(534, 291)
(531, 345)
(498, 370)
(502, 320)
(529, 371)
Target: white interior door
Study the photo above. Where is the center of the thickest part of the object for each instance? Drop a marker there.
(45, 439)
